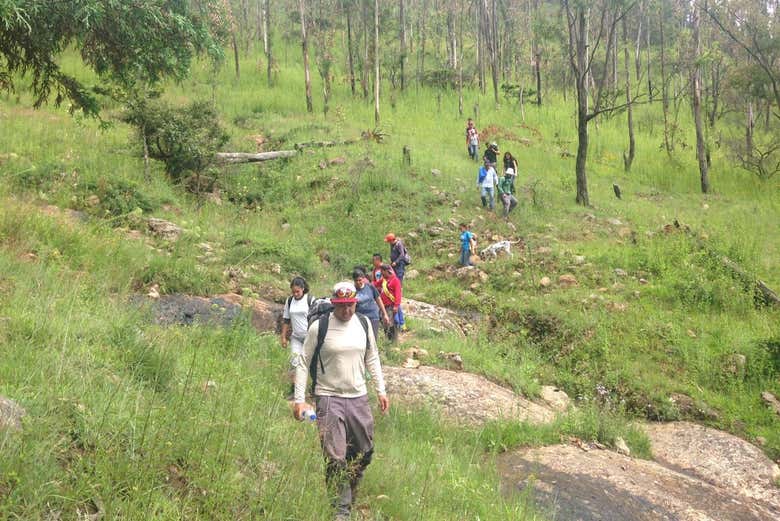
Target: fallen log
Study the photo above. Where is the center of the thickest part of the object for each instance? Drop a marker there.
(246, 157)
(767, 295)
(323, 144)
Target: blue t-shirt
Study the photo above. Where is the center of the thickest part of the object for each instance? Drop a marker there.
(366, 304)
(465, 238)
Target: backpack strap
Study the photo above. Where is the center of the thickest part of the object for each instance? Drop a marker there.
(364, 322)
(315, 358)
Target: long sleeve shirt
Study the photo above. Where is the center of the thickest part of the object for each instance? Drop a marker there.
(490, 179)
(505, 186)
(345, 359)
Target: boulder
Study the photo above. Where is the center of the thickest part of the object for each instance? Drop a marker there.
(772, 401)
(555, 398)
(11, 414)
(412, 274)
(567, 280)
(545, 282)
(462, 397)
(164, 229)
(453, 360)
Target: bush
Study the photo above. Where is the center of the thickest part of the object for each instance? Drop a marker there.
(186, 139)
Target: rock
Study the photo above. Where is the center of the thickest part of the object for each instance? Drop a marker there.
(163, 229)
(772, 401)
(416, 353)
(435, 231)
(557, 399)
(760, 440)
(545, 282)
(154, 291)
(435, 172)
(411, 363)
(543, 250)
(464, 397)
(209, 385)
(579, 260)
(412, 274)
(412, 235)
(614, 222)
(11, 414)
(643, 281)
(694, 409)
(569, 482)
(624, 232)
(621, 447)
(276, 268)
(93, 200)
(440, 317)
(337, 161)
(454, 360)
(734, 365)
(718, 458)
(567, 280)
(285, 227)
(620, 272)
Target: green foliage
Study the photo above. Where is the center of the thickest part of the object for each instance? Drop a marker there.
(122, 42)
(186, 139)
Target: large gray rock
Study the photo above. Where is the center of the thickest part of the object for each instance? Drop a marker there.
(700, 474)
(440, 318)
(11, 414)
(465, 397)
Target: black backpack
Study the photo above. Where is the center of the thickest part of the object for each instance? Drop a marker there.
(324, 320)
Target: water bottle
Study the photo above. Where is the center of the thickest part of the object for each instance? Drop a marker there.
(309, 415)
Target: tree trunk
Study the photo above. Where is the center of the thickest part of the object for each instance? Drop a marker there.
(261, 28)
(350, 57)
(234, 43)
(749, 126)
(242, 157)
(402, 37)
(668, 145)
(366, 45)
(578, 38)
(701, 153)
(147, 175)
(376, 62)
(537, 58)
(305, 45)
(460, 63)
(267, 41)
(628, 159)
(490, 40)
(480, 47)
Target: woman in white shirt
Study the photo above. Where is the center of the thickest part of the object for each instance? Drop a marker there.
(295, 323)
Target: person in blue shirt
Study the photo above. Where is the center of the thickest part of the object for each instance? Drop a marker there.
(467, 242)
(369, 303)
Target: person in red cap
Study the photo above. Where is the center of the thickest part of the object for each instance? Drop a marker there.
(399, 258)
(337, 362)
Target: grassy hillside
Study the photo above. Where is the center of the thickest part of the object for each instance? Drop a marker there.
(121, 415)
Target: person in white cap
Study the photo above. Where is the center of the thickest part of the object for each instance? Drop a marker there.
(337, 360)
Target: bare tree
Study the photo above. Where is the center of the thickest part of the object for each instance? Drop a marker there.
(376, 62)
(581, 56)
(305, 46)
(701, 148)
(628, 159)
(268, 35)
(402, 38)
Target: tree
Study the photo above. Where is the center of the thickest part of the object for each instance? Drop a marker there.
(376, 62)
(123, 42)
(305, 47)
(701, 152)
(581, 57)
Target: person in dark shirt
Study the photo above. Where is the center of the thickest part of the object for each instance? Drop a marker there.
(491, 154)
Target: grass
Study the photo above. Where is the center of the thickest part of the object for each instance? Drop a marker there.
(121, 415)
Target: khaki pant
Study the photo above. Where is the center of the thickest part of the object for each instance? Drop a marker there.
(346, 428)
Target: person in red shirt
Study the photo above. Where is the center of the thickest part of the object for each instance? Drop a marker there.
(391, 293)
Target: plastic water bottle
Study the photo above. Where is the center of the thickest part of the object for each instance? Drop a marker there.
(309, 415)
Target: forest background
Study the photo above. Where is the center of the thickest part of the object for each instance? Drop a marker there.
(676, 103)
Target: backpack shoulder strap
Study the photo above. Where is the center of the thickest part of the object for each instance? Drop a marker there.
(309, 298)
(287, 304)
(315, 358)
(364, 322)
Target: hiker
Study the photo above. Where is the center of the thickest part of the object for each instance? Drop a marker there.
(337, 360)
(486, 181)
(491, 154)
(468, 243)
(391, 291)
(295, 324)
(369, 302)
(505, 192)
(376, 270)
(399, 256)
(472, 140)
(510, 164)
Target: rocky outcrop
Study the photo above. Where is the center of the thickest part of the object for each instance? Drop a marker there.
(217, 310)
(464, 397)
(441, 319)
(700, 474)
(11, 414)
